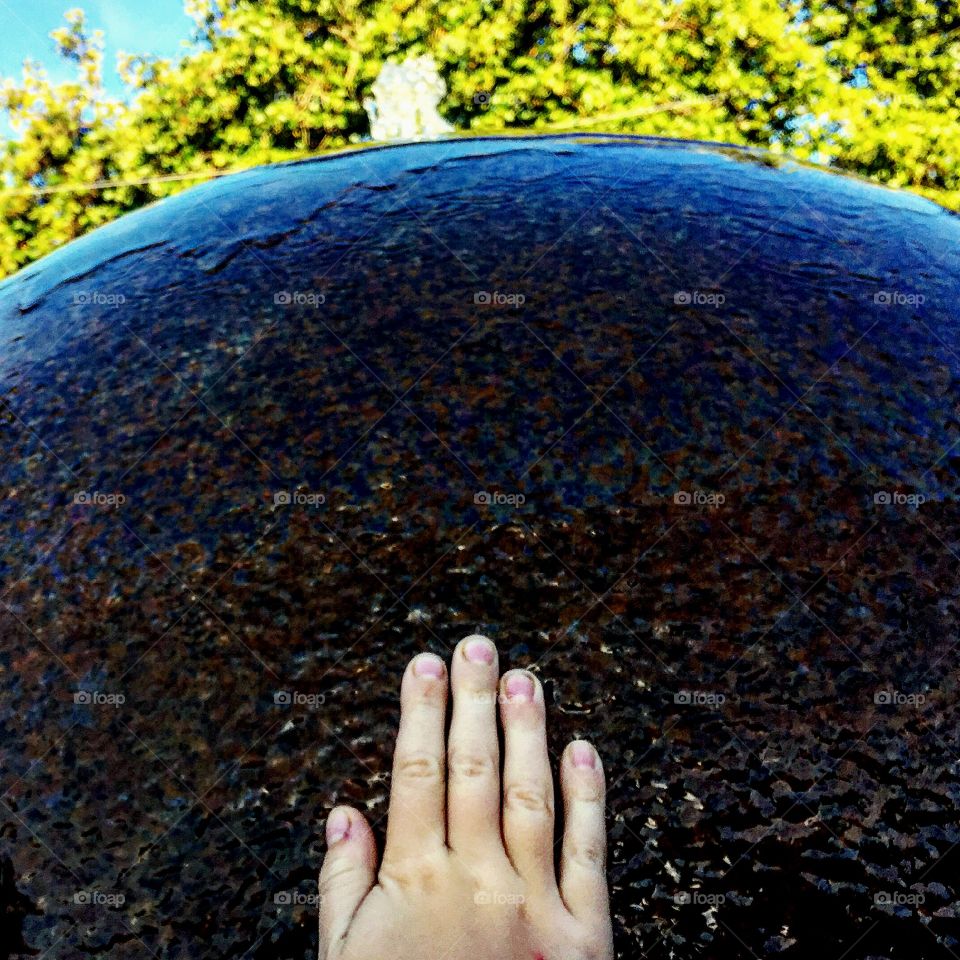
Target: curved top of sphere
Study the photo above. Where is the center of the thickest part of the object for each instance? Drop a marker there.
(801, 271)
(207, 223)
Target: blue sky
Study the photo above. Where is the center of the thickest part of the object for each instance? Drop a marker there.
(134, 26)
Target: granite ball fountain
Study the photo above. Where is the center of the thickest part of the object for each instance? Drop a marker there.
(675, 423)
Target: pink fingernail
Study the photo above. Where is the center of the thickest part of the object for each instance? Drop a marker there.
(520, 686)
(428, 665)
(584, 755)
(479, 651)
(338, 826)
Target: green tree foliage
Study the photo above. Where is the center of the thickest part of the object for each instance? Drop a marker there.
(871, 86)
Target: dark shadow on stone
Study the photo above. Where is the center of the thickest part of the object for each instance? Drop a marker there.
(14, 908)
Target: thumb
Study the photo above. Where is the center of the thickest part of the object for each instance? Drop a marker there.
(346, 876)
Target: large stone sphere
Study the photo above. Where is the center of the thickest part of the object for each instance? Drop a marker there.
(676, 425)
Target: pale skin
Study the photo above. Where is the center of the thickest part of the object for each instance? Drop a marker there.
(469, 869)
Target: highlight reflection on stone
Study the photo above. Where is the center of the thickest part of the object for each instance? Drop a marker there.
(675, 424)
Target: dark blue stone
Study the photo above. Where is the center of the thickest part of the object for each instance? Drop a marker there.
(775, 344)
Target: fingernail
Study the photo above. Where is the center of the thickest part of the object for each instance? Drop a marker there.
(338, 826)
(584, 755)
(427, 665)
(479, 651)
(520, 686)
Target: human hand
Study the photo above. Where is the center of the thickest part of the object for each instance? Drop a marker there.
(469, 871)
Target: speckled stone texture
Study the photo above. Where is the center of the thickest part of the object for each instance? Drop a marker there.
(264, 441)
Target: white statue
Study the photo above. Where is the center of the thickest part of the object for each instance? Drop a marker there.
(404, 103)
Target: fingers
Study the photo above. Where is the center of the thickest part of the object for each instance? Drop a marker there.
(473, 751)
(583, 879)
(527, 783)
(346, 876)
(416, 822)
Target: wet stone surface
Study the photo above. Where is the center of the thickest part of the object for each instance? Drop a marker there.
(264, 441)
